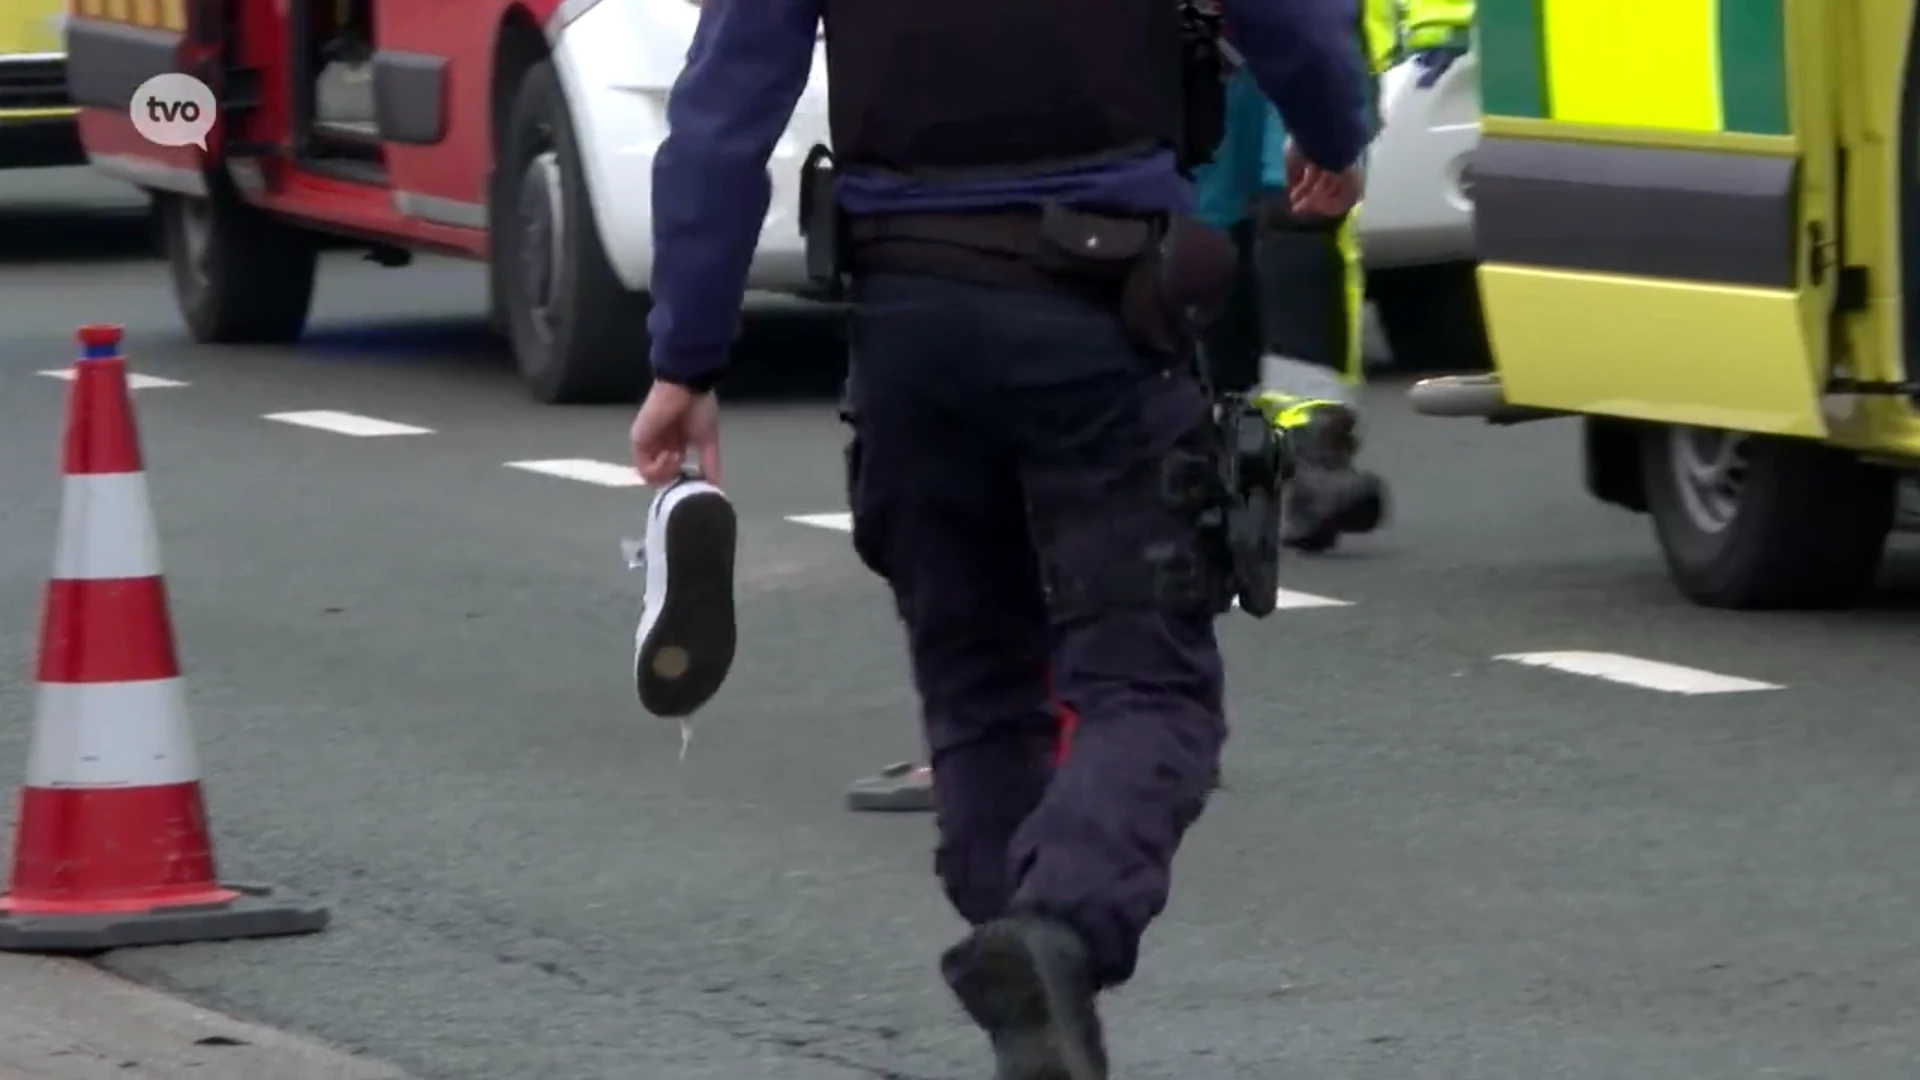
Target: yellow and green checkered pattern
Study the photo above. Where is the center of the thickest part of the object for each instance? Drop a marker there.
(1696, 66)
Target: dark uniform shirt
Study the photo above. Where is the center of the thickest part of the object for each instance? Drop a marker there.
(747, 68)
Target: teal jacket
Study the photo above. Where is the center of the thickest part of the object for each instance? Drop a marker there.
(1251, 157)
(1252, 152)
(1224, 190)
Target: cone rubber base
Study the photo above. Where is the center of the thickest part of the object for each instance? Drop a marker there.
(256, 913)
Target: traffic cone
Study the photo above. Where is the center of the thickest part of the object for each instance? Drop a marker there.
(111, 846)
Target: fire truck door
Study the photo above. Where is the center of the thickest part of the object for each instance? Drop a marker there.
(113, 48)
(431, 65)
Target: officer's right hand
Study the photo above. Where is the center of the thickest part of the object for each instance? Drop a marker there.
(673, 424)
(1317, 192)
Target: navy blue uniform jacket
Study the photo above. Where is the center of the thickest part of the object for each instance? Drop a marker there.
(748, 67)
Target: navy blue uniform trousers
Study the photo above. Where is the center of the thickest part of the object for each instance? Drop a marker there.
(1007, 450)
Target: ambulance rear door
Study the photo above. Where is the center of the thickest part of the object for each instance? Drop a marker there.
(1655, 209)
(113, 48)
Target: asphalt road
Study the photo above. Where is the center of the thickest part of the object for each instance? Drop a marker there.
(410, 668)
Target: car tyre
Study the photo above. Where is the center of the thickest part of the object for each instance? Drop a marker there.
(240, 276)
(1755, 522)
(578, 334)
(1431, 317)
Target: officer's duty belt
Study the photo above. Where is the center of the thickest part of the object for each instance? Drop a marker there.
(992, 248)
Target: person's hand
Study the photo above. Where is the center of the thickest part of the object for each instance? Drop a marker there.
(672, 423)
(1315, 192)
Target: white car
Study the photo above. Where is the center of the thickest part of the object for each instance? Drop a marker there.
(1416, 222)
(617, 62)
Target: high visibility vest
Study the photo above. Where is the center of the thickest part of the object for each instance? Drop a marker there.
(1380, 33)
(1700, 66)
(1430, 24)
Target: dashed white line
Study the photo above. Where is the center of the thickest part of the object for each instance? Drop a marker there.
(346, 423)
(835, 522)
(1634, 671)
(135, 380)
(585, 470)
(1286, 599)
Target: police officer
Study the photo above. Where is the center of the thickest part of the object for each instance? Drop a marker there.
(1227, 196)
(1005, 166)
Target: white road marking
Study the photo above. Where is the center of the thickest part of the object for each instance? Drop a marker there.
(1287, 599)
(1633, 671)
(836, 522)
(135, 380)
(603, 473)
(346, 423)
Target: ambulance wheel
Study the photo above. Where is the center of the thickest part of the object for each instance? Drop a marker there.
(241, 277)
(1751, 521)
(1431, 317)
(578, 334)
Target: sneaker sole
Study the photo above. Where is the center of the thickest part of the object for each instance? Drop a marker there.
(1007, 994)
(689, 650)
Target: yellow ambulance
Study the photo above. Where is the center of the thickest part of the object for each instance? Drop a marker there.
(1698, 225)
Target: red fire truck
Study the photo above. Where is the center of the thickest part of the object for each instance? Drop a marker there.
(519, 132)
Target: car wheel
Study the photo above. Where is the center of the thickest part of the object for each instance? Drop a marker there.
(578, 334)
(1431, 317)
(240, 277)
(1753, 521)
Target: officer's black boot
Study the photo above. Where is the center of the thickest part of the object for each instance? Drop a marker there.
(1330, 494)
(1027, 983)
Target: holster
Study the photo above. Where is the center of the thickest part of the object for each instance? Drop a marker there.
(1174, 274)
(823, 228)
(1255, 465)
(1234, 488)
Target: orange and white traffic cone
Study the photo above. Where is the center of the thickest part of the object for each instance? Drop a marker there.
(111, 846)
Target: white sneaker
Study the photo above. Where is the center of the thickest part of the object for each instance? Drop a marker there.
(684, 646)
